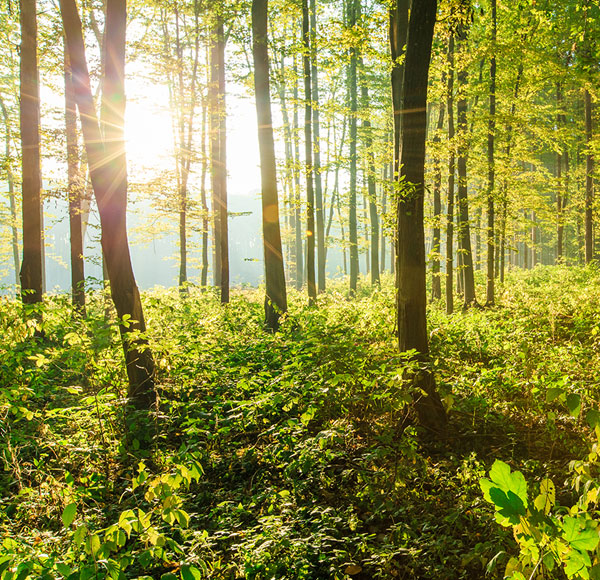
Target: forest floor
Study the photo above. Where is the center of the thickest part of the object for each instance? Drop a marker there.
(288, 455)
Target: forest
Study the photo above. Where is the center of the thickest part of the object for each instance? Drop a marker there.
(366, 342)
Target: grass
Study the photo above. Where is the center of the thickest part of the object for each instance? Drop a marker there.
(289, 455)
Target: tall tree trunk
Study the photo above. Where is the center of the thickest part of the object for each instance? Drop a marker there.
(490, 290)
(353, 136)
(108, 171)
(464, 230)
(275, 298)
(203, 198)
(297, 201)
(32, 265)
(589, 179)
(10, 179)
(319, 212)
(451, 171)
(371, 185)
(412, 297)
(436, 283)
(308, 152)
(74, 191)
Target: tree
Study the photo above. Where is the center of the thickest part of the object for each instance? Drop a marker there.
(31, 267)
(275, 297)
(491, 168)
(108, 172)
(410, 261)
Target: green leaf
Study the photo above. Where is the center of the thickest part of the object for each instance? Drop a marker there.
(68, 514)
(575, 564)
(501, 475)
(574, 404)
(189, 572)
(553, 394)
(511, 505)
(547, 498)
(593, 418)
(579, 534)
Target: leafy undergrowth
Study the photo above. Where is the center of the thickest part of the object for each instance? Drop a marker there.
(289, 455)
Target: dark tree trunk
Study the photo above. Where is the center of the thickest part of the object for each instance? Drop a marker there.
(410, 261)
(451, 171)
(308, 152)
(203, 198)
(319, 212)
(10, 179)
(436, 283)
(589, 179)
(275, 299)
(74, 191)
(108, 172)
(559, 199)
(32, 264)
(464, 230)
(490, 290)
(353, 136)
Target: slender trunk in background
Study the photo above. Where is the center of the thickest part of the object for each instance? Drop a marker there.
(589, 179)
(74, 192)
(490, 289)
(335, 195)
(451, 170)
(559, 199)
(203, 198)
(275, 297)
(436, 282)
(353, 106)
(464, 230)
(308, 153)
(319, 213)
(534, 240)
(384, 185)
(214, 142)
(297, 201)
(371, 185)
(10, 180)
(108, 171)
(412, 294)
(32, 264)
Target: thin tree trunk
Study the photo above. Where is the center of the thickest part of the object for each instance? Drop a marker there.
(559, 199)
(275, 297)
(490, 289)
(589, 179)
(297, 201)
(353, 106)
(74, 192)
(464, 230)
(308, 152)
(319, 212)
(10, 179)
(32, 264)
(411, 297)
(436, 283)
(108, 171)
(451, 171)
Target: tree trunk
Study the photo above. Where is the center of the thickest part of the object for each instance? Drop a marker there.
(108, 171)
(319, 213)
(275, 298)
(589, 179)
(203, 199)
(353, 136)
(464, 230)
(10, 179)
(436, 283)
(74, 192)
(308, 152)
(32, 264)
(490, 290)
(451, 170)
(297, 201)
(410, 261)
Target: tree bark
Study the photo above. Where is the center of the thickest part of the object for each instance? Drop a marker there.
(490, 289)
(589, 179)
(32, 264)
(308, 153)
(436, 283)
(353, 136)
(74, 192)
(410, 261)
(108, 172)
(275, 298)
(451, 171)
